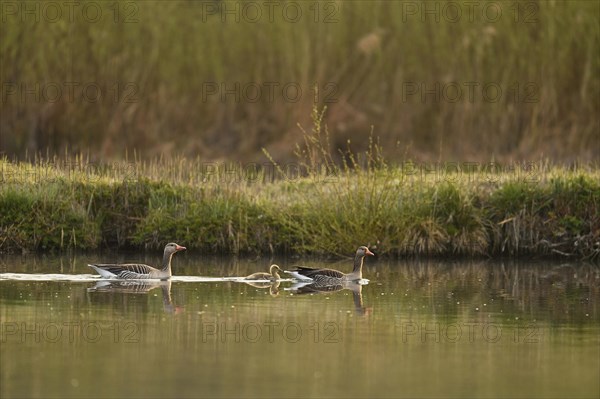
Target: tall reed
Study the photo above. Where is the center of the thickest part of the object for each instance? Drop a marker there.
(508, 80)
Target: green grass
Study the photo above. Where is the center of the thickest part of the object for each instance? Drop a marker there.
(328, 208)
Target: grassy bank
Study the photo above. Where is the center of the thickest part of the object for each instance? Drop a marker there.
(187, 76)
(310, 206)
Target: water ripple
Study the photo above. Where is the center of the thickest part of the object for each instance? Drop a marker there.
(93, 277)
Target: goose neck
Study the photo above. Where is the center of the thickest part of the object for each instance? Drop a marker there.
(166, 263)
(358, 263)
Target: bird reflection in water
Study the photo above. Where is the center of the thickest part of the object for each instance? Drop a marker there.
(139, 287)
(273, 286)
(302, 288)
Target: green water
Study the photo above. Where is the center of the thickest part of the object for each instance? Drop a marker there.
(418, 329)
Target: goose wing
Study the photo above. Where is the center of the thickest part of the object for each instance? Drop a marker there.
(312, 273)
(115, 269)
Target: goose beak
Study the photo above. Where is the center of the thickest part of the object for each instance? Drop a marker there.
(180, 248)
(369, 252)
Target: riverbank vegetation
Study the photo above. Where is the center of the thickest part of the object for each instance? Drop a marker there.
(313, 205)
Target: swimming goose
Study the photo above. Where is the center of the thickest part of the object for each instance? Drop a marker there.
(138, 270)
(330, 276)
(272, 275)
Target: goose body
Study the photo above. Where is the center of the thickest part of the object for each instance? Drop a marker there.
(330, 276)
(273, 274)
(139, 271)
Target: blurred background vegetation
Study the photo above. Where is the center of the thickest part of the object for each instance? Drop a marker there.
(434, 80)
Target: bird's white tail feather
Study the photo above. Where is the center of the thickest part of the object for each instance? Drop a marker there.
(102, 272)
(298, 276)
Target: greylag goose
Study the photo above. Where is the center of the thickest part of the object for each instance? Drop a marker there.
(138, 270)
(330, 276)
(271, 276)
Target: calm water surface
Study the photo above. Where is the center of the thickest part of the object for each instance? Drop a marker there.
(418, 329)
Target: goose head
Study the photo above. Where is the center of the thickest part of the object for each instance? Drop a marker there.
(171, 248)
(363, 251)
(275, 270)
